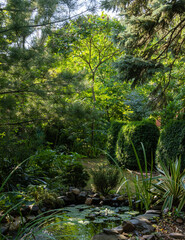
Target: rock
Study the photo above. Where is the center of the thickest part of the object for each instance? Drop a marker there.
(179, 220)
(128, 227)
(104, 236)
(30, 218)
(4, 228)
(107, 201)
(95, 200)
(148, 216)
(81, 198)
(70, 195)
(119, 229)
(177, 236)
(120, 198)
(135, 221)
(149, 237)
(110, 231)
(88, 201)
(34, 209)
(25, 210)
(158, 212)
(76, 191)
(96, 195)
(16, 224)
(69, 198)
(142, 225)
(122, 237)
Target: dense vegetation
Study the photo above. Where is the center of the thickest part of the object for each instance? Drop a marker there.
(71, 76)
(136, 133)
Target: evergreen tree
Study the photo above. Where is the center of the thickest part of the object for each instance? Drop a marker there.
(153, 41)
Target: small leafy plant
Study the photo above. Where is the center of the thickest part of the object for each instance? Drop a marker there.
(143, 184)
(105, 178)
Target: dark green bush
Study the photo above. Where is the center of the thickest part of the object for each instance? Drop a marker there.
(105, 178)
(112, 136)
(136, 132)
(172, 142)
(44, 163)
(64, 168)
(74, 175)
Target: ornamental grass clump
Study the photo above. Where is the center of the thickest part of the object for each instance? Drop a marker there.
(105, 179)
(170, 185)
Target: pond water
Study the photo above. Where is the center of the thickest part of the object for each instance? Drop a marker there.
(83, 222)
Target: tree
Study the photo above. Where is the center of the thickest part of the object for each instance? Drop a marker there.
(30, 88)
(86, 44)
(87, 41)
(25, 62)
(153, 41)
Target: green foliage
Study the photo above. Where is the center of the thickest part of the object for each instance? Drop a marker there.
(138, 106)
(44, 197)
(112, 136)
(170, 186)
(136, 132)
(73, 173)
(172, 142)
(105, 178)
(136, 70)
(44, 163)
(49, 165)
(143, 184)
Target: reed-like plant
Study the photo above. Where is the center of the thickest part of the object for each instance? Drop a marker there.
(170, 185)
(143, 185)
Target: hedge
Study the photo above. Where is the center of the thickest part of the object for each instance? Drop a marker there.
(172, 143)
(112, 136)
(136, 132)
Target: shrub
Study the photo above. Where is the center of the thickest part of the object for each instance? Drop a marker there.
(136, 132)
(74, 175)
(45, 197)
(105, 178)
(172, 142)
(44, 163)
(112, 139)
(66, 169)
(170, 187)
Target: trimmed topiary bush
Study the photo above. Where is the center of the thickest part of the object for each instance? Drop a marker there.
(112, 137)
(136, 132)
(172, 143)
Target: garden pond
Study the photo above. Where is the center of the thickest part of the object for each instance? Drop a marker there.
(83, 222)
